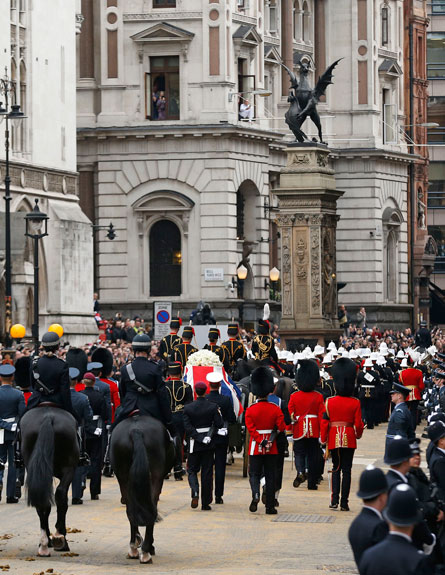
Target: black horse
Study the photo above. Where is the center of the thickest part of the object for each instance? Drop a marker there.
(141, 456)
(50, 449)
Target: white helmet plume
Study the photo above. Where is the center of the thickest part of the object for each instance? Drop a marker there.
(266, 311)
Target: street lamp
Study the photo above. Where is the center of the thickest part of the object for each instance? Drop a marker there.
(36, 228)
(8, 112)
(241, 274)
(274, 276)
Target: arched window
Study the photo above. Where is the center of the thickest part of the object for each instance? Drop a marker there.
(296, 20)
(385, 25)
(391, 229)
(305, 25)
(165, 259)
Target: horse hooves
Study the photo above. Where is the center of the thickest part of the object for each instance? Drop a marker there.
(159, 518)
(60, 543)
(152, 551)
(145, 558)
(43, 553)
(132, 556)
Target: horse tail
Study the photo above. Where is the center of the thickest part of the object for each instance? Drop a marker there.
(141, 509)
(40, 468)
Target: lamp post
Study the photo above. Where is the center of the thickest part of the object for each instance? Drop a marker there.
(36, 228)
(8, 112)
(274, 276)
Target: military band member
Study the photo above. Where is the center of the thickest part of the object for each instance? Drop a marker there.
(233, 347)
(184, 350)
(170, 341)
(180, 395)
(368, 381)
(219, 350)
(263, 346)
(263, 421)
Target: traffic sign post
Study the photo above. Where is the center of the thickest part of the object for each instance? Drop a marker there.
(162, 313)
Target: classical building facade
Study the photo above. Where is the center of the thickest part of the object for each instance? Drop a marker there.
(38, 53)
(181, 140)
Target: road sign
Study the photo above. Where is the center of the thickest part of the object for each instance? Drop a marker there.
(162, 315)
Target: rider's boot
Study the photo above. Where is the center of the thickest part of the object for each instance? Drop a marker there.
(84, 458)
(18, 459)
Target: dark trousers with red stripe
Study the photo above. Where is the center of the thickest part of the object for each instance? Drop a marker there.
(341, 474)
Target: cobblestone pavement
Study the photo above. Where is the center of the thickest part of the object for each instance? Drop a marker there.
(229, 539)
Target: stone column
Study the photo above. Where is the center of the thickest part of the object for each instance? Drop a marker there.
(307, 220)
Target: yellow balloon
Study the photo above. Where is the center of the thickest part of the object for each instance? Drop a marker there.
(17, 331)
(56, 328)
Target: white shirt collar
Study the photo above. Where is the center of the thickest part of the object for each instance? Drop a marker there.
(405, 480)
(440, 449)
(375, 510)
(404, 535)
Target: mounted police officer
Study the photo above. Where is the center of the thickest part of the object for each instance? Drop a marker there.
(183, 350)
(233, 347)
(219, 350)
(170, 341)
(180, 395)
(51, 376)
(142, 388)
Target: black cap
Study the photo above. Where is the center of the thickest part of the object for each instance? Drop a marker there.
(188, 332)
(141, 342)
(263, 326)
(439, 374)
(262, 381)
(93, 365)
(175, 323)
(50, 339)
(437, 417)
(399, 388)
(213, 334)
(7, 370)
(372, 483)
(436, 431)
(415, 446)
(402, 508)
(397, 451)
(175, 369)
(232, 329)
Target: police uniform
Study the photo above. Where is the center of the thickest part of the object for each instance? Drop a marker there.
(84, 416)
(233, 347)
(180, 394)
(12, 407)
(94, 443)
(400, 422)
(183, 350)
(170, 341)
(221, 439)
(202, 419)
(436, 462)
(51, 377)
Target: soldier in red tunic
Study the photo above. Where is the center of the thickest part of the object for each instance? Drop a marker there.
(306, 408)
(341, 426)
(412, 379)
(263, 421)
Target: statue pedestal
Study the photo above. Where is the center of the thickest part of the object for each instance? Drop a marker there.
(307, 220)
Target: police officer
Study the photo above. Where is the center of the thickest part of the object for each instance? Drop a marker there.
(436, 464)
(142, 388)
(182, 351)
(221, 439)
(84, 415)
(170, 341)
(396, 554)
(219, 350)
(94, 432)
(369, 527)
(51, 376)
(12, 407)
(202, 419)
(400, 422)
(234, 348)
(180, 395)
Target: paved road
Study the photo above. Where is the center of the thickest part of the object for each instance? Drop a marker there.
(229, 539)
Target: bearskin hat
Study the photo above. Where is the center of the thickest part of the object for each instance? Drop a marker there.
(105, 357)
(22, 374)
(308, 375)
(76, 357)
(344, 374)
(262, 381)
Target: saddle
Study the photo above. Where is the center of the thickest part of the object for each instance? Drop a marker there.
(49, 404)
(134, 412)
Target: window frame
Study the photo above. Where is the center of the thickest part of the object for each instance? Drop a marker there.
(385, 26)
(166, 71)
(164, 4)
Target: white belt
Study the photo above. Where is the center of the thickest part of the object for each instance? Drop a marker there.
(202, 429)
(309, 415)
(96, 417)
(263, 431)
(10, 420)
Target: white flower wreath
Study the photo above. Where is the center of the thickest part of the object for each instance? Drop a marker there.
(205, 358)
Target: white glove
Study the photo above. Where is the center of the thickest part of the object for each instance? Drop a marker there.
(207, 439)
(428, 549)
(13, 427)
(98, 431)
(222, 431)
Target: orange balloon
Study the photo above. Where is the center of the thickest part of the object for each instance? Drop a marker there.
(56, 328)
(17, 331)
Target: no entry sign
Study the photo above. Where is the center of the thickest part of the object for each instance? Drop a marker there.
(162, 316)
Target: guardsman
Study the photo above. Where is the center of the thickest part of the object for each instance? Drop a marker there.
(306, 408)
(263, 346)
(213, 346)
(94, 433)
(396, 554)
(400, 422)
(12, 407)
(264, 420)
(50, 376)
(221, 439)
(182, 351)
(141, 386)
(180, 395)
(22, 376)
(369, 527)
(412, 379)
(170, 341)
(341, 426)
(202, 419)
(105, 357)
(234, 348)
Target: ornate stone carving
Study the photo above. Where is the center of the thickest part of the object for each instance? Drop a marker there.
(39, 180)
(315, 269)
(301, 264)
(285, 220)
(286, 272)
(298, 159)
(322, 160)
(329, 276)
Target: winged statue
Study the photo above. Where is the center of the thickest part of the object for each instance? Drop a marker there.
(303, 99)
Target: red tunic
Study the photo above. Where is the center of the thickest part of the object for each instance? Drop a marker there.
(413, 379)
(306, 408)
(114, 394)
(261, 418)
(79, 386)
(345, 424)
(27, 395)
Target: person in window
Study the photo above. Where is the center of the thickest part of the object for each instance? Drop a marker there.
(161, 106)
(246, 111)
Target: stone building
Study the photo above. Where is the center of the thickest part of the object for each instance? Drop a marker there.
(38, 52)
(170, 152)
